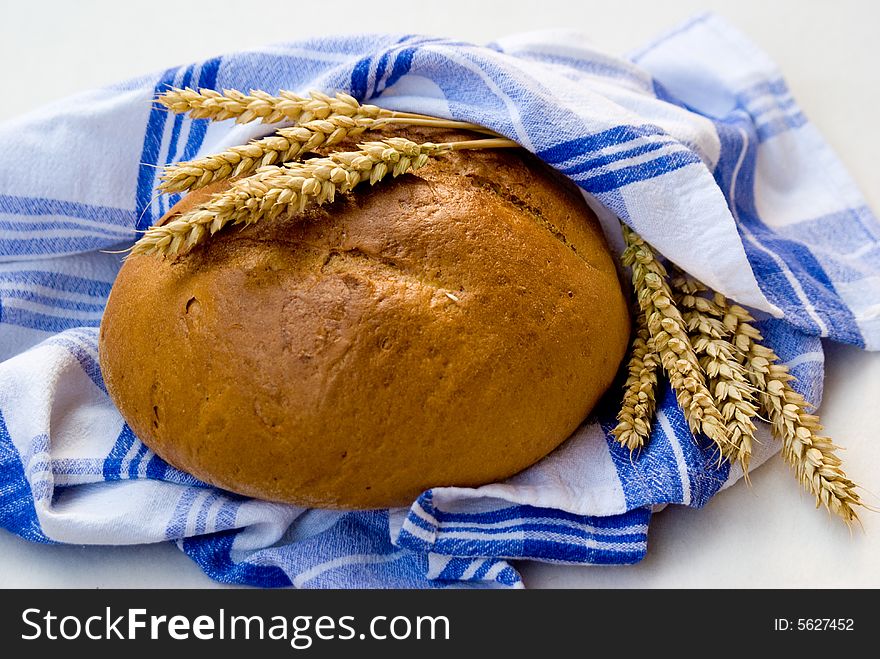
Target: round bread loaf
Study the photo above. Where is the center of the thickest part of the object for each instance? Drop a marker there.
(445, 328)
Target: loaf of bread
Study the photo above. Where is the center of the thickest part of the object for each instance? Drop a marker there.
(450, 327)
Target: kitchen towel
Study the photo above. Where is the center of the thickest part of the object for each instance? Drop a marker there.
(695, 141)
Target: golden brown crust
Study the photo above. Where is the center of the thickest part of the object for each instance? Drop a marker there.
(449, 328)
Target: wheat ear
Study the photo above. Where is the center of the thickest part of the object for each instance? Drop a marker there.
(288, 106)
(810, 454)
(727, 380)
(261, 106)
(286, 145)
(669, 334)
(639, 396)
(290, 188)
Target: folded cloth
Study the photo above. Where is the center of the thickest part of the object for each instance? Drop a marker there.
(694, 141)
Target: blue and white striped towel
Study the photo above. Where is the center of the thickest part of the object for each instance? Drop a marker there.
(693, 141)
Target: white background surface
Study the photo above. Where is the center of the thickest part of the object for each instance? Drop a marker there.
(766, 535)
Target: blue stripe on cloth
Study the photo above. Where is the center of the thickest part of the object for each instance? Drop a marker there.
(77, 466)
(366, 558)
(607, 68)
(402, 54)
(789, 343)
(847, 255)
(57, 246)
(136, 461)
(415, 520)
(157, 468)
(40, 206)
(764, 88)
(381, 65)
(777, 105)
(618, 178)
(82, 354)
(651, 476)
(58, 303)
(512, 512)
(705, 474)
(663, 94)
(44, 322)
(780, 125)
(598, 162)
(213, 553)
(546, 547)
(64, 224)
(176, 127)
(600, 66)
(202, 516)
(198, 127)
(37, 464)
(58, 281)
(508, 576)
(542, 549)
(591, 143)
(481, 571)
(530, 532)
(166, 201)
(207, 79)
(402, 66)
(177, 524)
(150, 153)
(359, 75)
(226, 516)
(527, 524)
(615, 202)
(112, 468)
(672, 469)
(823, 233)
(455, 569)
(773, 258)
(17, 512)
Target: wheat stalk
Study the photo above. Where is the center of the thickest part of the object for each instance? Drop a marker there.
(261, 106)
(637, 409)
(810, 454)
(290, 188)
(288, 144)
(727, 379)
(671, 341)
(739, 369)
(288, 106)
